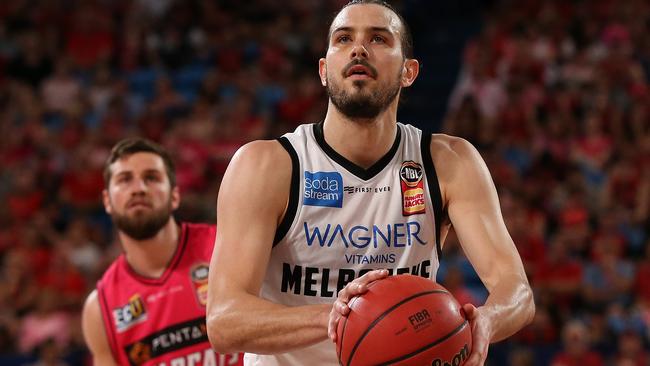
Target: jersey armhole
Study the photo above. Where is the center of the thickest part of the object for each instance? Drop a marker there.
(292, 206)
(434, 187)
(106, 313)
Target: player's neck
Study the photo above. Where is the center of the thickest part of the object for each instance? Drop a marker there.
(150, 257)
(362, 142)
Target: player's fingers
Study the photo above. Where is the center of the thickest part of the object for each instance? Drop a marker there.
(373, 275)
(339, 309)
(480, 343)
(359, 285)
(331, 326)
(474, 360)
(363, 281)
(477, 357)
(470, 311)
(346, 293)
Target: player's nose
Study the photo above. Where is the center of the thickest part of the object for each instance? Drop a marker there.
(359, 51)
(139, 185)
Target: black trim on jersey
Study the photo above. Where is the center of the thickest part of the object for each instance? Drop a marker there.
(434, 187)
(178, 254)
(294, 190)
(108, 324)
(353, 168)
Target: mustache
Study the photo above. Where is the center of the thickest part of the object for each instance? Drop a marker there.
(360, 61)
(138, 200)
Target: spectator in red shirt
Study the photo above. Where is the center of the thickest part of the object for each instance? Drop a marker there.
(631, 351)
(27, 197)
(91, 38)
(642, 278)
(577, 347)
(559, 275)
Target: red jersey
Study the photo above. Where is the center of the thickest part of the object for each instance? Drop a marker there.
(161, 321)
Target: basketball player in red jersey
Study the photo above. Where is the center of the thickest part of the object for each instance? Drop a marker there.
(367, 63)
(149, 307)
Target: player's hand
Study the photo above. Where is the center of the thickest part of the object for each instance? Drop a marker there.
(480, 326)
(352, 289)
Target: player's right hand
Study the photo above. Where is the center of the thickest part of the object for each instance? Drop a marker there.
(357, 287)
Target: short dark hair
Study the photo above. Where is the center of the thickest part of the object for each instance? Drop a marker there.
(406, 38)
(131, 146)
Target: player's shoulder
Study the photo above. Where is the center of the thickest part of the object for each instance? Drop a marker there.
(260, 172)
(260, 150)
(200, 228)
(92, 300)
(453, 156)
(450, 147)
(200, 234)
(91, 310)
(263, 156)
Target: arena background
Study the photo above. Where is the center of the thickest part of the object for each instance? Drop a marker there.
(554, 94)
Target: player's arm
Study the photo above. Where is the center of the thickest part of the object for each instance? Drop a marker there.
(252, 199)
(474, 211)
(95, 333)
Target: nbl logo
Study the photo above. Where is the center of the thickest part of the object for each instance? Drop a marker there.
(412, 188)
(411, 173)
(199, 274)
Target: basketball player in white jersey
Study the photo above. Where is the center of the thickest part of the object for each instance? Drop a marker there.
(306, 222)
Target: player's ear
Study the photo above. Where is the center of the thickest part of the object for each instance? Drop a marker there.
(106, 199)
(322, 71)
(176, 197)
(410, 71)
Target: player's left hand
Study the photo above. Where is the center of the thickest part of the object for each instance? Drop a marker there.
(357, 287)
(480, 326)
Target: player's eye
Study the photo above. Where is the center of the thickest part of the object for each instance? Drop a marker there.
(378, 39)
(152, 178)
(343, 38)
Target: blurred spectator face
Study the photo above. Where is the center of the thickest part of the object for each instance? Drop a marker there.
(365, 68)
(139, 197)
(630, 345)
(521, 357)
(47, 301)
(576, 338)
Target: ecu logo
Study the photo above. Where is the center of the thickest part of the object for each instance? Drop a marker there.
(130, 314)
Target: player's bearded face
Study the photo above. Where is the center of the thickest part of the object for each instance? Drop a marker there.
(365, 99)
(140, 197)
(143, 224)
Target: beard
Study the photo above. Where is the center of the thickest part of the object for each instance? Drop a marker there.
(364, 103)
(143, 226)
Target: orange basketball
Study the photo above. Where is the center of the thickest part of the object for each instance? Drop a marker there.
(404, 320)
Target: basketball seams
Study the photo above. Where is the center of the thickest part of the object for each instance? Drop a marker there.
(385, 313)
(432, 344)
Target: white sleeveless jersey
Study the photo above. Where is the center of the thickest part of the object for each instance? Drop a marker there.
(343, 220)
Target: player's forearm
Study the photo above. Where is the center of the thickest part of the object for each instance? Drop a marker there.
(509, 307)
(251, 324)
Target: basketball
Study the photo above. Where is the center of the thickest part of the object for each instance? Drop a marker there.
(404, 320)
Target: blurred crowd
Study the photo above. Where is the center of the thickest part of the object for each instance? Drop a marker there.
(554, 94)
(201, 77)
